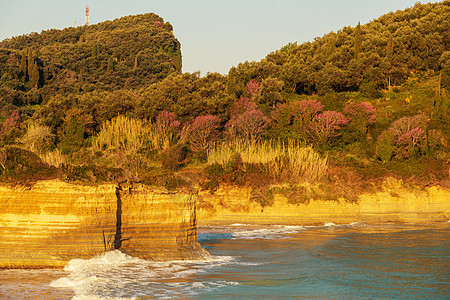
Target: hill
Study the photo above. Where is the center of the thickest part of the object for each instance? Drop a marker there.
(341, 112)
(128, 52)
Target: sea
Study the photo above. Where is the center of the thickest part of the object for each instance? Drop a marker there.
(331, 261)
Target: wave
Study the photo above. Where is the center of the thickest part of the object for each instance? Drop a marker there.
(252, 231)
(116, 275)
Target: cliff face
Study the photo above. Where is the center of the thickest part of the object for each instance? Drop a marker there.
(393, 203)
(52, 222)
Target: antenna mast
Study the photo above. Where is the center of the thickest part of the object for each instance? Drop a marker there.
(87, 15)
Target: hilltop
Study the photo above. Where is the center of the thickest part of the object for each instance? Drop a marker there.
(127, 52)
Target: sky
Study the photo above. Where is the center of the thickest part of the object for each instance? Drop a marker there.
(214, 35)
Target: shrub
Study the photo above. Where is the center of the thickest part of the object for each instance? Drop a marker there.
(385, 146)
(38, 138)
(361, 116)
(73, 136)
(165, 131)
(263, 196)
(174, 157)
(121, 133)
(212, 173)
(288, 161)
(435, 140)
(19, 165)
(294, 119)
(370, 89)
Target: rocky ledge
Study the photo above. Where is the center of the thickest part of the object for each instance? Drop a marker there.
(393, 202)
(52, 222)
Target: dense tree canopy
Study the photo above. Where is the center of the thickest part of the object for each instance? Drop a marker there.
(344, 93)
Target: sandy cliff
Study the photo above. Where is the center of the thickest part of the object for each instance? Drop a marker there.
(392, 203)
(52, 222)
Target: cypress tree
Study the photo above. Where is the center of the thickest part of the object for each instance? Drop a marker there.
(30, 64)
(34, 75)
(110, 65)
(357, 40)
(23, 66)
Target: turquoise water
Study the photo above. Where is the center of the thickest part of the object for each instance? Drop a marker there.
(355, 261)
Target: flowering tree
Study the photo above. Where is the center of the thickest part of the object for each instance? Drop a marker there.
(304, 112)
(327, 126)
(167, 122)
(253, 87)
(406, 137)
(13, 121)
(241, 106)
(249, 125)
(166, 130)
(10, 130)
(204, 132)
(360, 112)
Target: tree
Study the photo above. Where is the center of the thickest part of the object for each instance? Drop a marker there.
(270, 93)
(360, 116)
(249, 125)
(110, 67)
(23, 66)
(204, 132)
(405, 138)
(357, 41)
(327, 126)
(35, 75)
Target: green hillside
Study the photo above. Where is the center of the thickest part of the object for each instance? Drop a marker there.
(127, 52)
(339, 113)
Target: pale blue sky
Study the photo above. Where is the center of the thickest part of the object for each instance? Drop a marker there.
(214, 35)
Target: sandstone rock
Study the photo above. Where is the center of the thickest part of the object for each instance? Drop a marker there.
(52, 222)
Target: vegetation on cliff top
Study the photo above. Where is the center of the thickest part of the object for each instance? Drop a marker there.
(328, 115)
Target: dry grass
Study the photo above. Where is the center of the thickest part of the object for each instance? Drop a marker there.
(288, 161)
(53, 158)
(121, 133)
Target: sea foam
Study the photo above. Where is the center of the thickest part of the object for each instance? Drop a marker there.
(115, 275)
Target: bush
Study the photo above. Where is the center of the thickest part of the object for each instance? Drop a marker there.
(385, 146)
(174, 157)
(213, 174)
(370, 90)
(19, 165)
(263, 196)
(361, 116)
(121, 133)
(38, 138)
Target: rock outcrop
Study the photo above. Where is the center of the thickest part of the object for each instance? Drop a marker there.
(52, 222)
(393, 203)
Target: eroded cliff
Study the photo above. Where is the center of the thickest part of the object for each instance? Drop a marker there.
(394, 202)
(52, 222)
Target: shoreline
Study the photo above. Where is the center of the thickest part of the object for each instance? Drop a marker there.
(52, 222)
